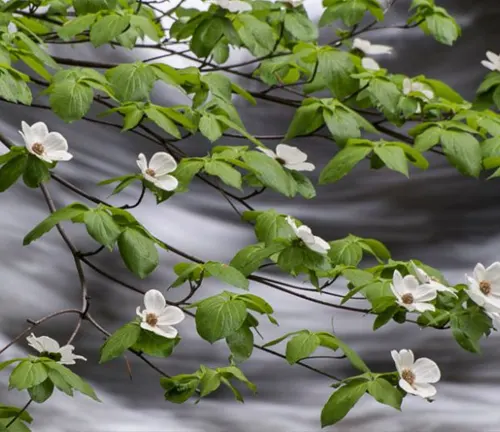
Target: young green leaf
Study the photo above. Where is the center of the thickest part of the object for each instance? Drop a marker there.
(138, 252)
(301, 346)
(394, 158)
(72, 379)
(218, 317)
(227, 274)
(155, 345)
(41, 392)
(463, 151)
(12, 170)
(36, 172)
(28, 374)
(225, 172)
(101, 227)
(241, 344)
(342, 401)
(385, 393)
(343, 162)
(66, 213)
(120, 341)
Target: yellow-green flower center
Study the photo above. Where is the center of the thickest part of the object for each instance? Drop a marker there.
(407, 298)
(151, 319)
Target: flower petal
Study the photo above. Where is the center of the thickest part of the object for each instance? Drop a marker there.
(139, 313)
(479, 272)
(492, 273)
(423, 307)
(406, 359)
(477, 297)
(424, 390)
(429, 94)
(411, 284)
(268, 152)
(426, 370)
(59, 155)
(491, 56)
(421, 275)
(35, 343)
(47, 344)
(407, 86)
(154, 301)
(54, 141)
(425, 293)
(142, 163)
(293, 225)
(405, 385)
(378, 49)
(162, 163)
(39, 131)
(305, 234)
(304, 166)
(488, 65)
(166, 331)
(361, 44)
(166, 182)
(320, 246)
(397, 283)
(397, 360)
(238, 6)
(171, 315)
(370, 64)
(67, 356)
(291, 155)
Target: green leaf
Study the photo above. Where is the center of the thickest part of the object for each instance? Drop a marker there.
(11, 171)
(138, 252)
(269, 172)
(342, 401)
(270, 225)
(428, 139)
(186, 170)
(385, 94)
(108, 28)
(76, 26)
(257, 36)
(376, 248)
(301, 346)
(41, 392)
(27, 374)
(101, 227)
(131, 82)
(91, 6)
(179, 388)
(210, 381)
(304, 185)
(227, 274)
(443, 28)
(210, 127)
(120, 341)
(300, 26)
(468, 327)
(218, 317)
(353, 356)
(256, 303)
(307, 119)
(13, 88)
(345, 251)
(394, 158)
(206, 36)
(163, 121)
(36, 172)
(36, 49)
(384, 393)
(442, 90)
(334, 69)
(249, 259)
(463, 151)
(384, 317)
(67, 213)
(225, 172)
(70, 99)
(155, 345)
(11, 411)
(73, 380)
(147, 26)
(243, 93)
(241, 344)
(343, 162)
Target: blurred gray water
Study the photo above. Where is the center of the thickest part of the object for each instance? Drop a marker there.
(438, 216)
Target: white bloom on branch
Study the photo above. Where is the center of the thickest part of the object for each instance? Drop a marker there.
(416, 377)
(234, 6)
(290, 157)
(157, 317)
(410, 86)
(303, 232)
(370, 49)
(493, 62)
(158, 169)
(48, 347)
(494, 315)
(47, 146)
(484, 286)
(369, 64)
(411, 294)
(427, 280)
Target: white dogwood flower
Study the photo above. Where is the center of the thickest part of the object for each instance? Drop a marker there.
(484, 286)
(493, 63)
(290, 157)
(47, 146)
(370, 49)
(410, 86)
(411, 294)
(370, 64)
(233, 5)
(427, 280)
(303, 232)
(157, 317)
(416, 377)
(48, 347)
(160, 165)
